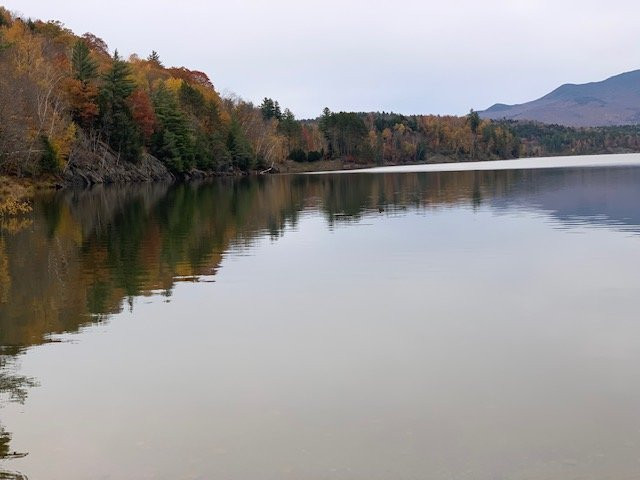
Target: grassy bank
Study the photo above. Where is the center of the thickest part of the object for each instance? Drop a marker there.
(290, 166)
(16, 193)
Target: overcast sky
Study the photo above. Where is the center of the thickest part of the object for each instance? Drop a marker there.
(408, 56)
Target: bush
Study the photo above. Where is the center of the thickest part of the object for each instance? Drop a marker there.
(298, 155)
(314, 156)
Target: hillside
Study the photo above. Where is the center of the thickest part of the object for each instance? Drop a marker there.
(615, 101)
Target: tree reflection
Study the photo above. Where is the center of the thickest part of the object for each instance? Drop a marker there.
(83, 255)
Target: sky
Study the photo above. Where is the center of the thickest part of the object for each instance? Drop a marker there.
(408, 56)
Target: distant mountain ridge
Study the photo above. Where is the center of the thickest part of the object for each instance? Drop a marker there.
(614, 101)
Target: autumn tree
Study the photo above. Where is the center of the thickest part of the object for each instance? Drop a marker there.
(143, 113)
(96, 43)
(33, 111)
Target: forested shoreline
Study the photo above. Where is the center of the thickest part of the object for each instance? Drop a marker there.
(70, 109)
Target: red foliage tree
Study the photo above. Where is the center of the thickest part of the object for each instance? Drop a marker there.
(143, 113)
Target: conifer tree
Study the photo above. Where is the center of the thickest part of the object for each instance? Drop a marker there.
(84, 67)
(239, 147)
(267, 108)
(116, 120)
(155, 58)
(171, 142)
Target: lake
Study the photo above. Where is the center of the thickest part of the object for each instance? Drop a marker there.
(394, 324)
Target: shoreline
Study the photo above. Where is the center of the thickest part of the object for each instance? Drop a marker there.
(20, 188)
(531, 163)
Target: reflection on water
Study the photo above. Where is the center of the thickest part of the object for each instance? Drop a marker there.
(449, 277)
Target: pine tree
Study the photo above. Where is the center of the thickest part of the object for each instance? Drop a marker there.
(474, 121)
(172, 142)
(289, 127)
(240, 148)
(267, 108)
(155, 58)
(277, 113)
(84, 67)
(116, 120)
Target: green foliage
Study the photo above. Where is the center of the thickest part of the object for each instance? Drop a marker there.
(191, 99)
(242, 154)
(474, 121)
(172, 141)
(288, 125)
(155, 58)
(83, 66)
(49, 159)
(344, 131)
(314, 156)
(115, 117)
(298, 155)
(208, 133)
(270, 109)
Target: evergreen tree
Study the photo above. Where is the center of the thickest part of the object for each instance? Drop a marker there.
(474, 121)
(116, 121)
(270, 109)
(277, 113)
(239, 147)
(267, 108)
(155, 58)
(171, 142)
(344, 131)
(289, 127)
(84, 67)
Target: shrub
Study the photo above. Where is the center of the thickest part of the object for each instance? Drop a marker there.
(314, 156)
(298, 155)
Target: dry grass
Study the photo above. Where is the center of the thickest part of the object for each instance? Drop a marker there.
(15, 197)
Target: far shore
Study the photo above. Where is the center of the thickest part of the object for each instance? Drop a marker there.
(16, 191)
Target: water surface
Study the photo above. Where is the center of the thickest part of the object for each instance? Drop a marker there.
(442, 325)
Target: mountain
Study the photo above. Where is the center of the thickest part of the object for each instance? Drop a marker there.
(615, 101)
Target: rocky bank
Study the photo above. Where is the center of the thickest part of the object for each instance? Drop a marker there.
(101, 166)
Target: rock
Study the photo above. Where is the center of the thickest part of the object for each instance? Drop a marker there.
(197, 174)
(87, 167)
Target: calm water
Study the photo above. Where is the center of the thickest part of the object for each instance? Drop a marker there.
(444, 325)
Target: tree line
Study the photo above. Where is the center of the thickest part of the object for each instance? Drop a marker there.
(63, 94)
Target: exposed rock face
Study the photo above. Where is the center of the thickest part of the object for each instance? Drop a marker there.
(88, 168)
(615, 101)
